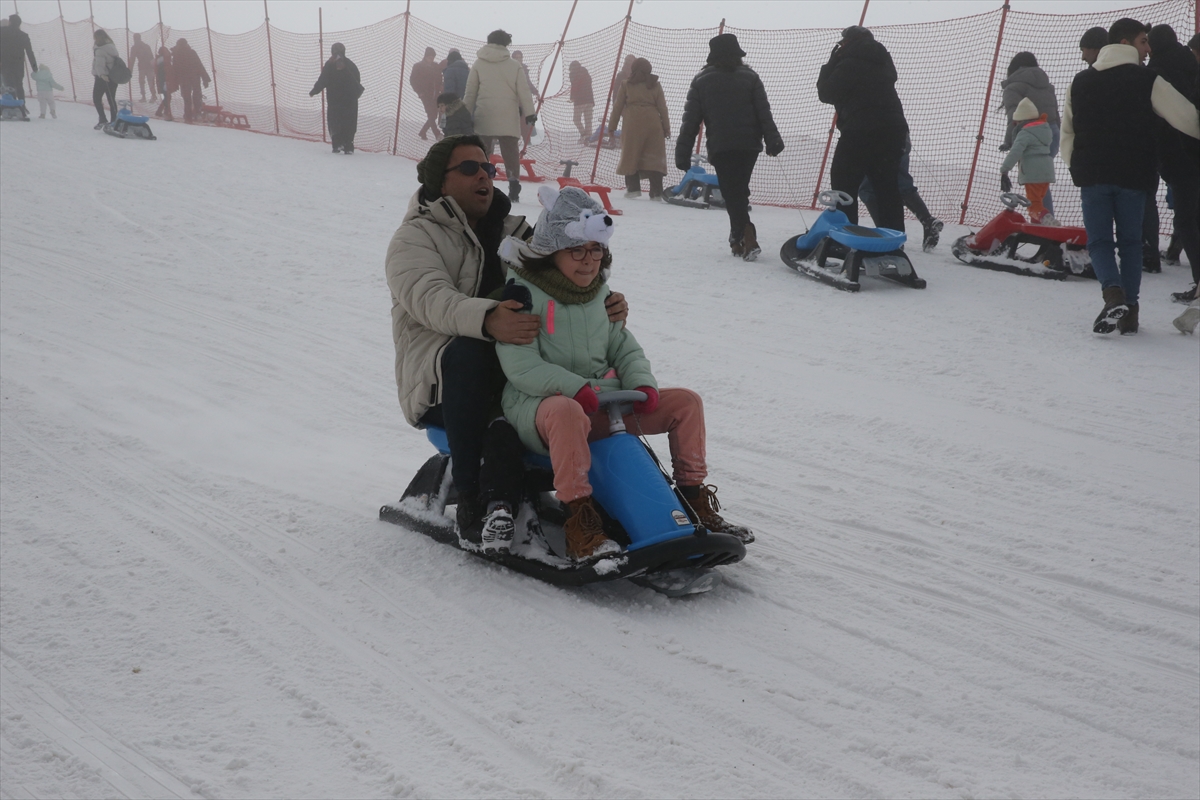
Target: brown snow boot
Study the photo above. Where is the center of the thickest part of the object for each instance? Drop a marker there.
(750, 248)
(1129, 323)
(584, 532)
(703, 501)
(1114, 308)
(735, 244)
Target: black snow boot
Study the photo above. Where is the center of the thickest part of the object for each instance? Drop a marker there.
(514, 191)
(1174, 248)
(1129, 323)
(750, 247)
(932, 227)
(1114, 309)
(469, 516)
(1151, 260)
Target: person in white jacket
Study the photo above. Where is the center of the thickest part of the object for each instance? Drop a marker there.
(104, 55)
(498, 96)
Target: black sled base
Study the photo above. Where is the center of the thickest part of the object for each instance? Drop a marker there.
(676, 567)
(832, 263)
(1052, 261)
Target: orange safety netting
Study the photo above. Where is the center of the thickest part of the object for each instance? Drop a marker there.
(943, 66)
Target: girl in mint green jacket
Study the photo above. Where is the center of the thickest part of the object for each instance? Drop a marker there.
(550, 398)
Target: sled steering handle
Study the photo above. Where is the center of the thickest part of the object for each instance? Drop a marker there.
(619, 403)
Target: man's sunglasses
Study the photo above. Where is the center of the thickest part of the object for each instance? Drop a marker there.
(471, 167)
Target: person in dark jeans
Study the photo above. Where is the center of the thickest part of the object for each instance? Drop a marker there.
(859, 81)
(729, 99)
(104, 56)
(442, 264)
(1110, 141)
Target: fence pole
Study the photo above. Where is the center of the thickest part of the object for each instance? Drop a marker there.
(700, 132)
(211, 59)
(403, 58)
(983, 116)
(162, 37)
(612, 86)
(271, 59)
(833, 127)
(321, 62)
(91, 16)
(553, 61)
(67, 47)
(128, 36)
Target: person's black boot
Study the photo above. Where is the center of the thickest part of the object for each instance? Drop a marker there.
(514, 191)
(469, 516)
(1151, 260)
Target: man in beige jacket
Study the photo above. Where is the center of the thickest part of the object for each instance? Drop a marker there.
(498, 96)
(442, 265)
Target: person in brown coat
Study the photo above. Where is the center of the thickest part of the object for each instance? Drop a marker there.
(647, 127)
(426, 81)
(189, 73)
(582, 99)
(141, 55)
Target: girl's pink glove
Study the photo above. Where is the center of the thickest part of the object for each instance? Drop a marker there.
(586, 397)
(648, 405)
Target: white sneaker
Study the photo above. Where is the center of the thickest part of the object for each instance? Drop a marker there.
(498, 528)
(633, 194)
(99, 126)
(1189, 319)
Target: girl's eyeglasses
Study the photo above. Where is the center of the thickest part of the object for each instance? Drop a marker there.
(580, 253)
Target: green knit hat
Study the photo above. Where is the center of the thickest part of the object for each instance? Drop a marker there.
(431, 171)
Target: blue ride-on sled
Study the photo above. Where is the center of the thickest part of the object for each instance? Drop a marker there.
(130, 125)
(835, 252)
(664, 546)
(698, 188)
(12, 108)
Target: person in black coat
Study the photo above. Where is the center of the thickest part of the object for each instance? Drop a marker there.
(1179, 155)
(342, 85)
(729, 98)
(14, 47)
(859, 81)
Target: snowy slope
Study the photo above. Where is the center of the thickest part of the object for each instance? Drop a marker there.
(978, 562)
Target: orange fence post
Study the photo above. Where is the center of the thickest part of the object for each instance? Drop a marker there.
(271, 59)
(91, 16)
(67, 48)
(321, 63)
(612, 87)
(553, 61)
(833, 127)
(700, 132)
(211, 59)
(983, 117)
(128, 36)
(403, 58)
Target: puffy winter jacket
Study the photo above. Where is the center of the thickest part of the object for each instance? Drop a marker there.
(341, 81)
(44, 79)
(14, 46)
(1031, 82)
(576, 346)
(454, 77)
(1031, 151)
(498, 93)
(1178, 155)
(189, 69)
(103, 57)
(732, 104)
(434, 269)
(859, 81)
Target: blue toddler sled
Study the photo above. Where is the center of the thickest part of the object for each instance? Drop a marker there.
(664, 547)
(12, 108)
(836, 252)
(698, 188)
(130, 125)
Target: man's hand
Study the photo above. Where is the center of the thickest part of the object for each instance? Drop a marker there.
(508, 324)
(617, 308)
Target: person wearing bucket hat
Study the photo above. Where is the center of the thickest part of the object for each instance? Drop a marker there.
(441, 266)
(859, 81)
(729, 99)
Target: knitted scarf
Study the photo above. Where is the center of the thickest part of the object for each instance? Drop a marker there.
(560, 287)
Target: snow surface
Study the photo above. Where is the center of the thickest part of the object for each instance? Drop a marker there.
(977, 569)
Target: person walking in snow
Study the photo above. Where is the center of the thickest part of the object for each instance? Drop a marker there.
(104, 55)
(441, 266)
(561, 275)
(911, 197)
(342, 84)
(583, 100)
(426, 80)
(859, 81)
(498, 97)
(1110, 142)
(141, 55)
(454, 74)
(165, 72)
(14, 48)
(1031, 150)
(1027, 80)
(189, 74)
(647, 126)
(729, 99)
(526, 127)
(43, 79)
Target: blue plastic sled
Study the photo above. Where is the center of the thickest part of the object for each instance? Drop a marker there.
(130, 125)
(697, 189)
(12, 108)
(836, 252)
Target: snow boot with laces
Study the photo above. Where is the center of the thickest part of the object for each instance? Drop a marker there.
(750, 248)
(703, 503)
(1115, 307)
(584, 532)
(1184, 297)
(498, 527)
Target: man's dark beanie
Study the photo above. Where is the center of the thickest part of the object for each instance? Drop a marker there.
(1094, 39)
(14, 19)
(856, 32)
(431, 170)
(500, 37)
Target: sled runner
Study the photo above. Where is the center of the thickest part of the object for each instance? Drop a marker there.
(12, 108)
(663, 547)
(130, 125)
(698, 189)
(838, 253)
(1008, 243)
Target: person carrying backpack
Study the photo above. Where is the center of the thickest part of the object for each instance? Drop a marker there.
(104, 58)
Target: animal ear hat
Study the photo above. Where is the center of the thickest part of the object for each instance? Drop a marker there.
(570, 218)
